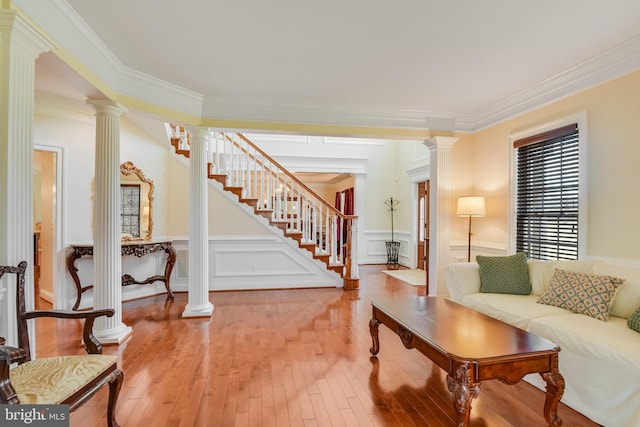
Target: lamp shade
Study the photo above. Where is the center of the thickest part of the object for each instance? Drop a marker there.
(471, 206)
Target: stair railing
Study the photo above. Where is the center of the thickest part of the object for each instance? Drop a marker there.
(289, 199)
(275, 189)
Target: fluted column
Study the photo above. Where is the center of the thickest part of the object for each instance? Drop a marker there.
(20, 45)
(440, 209)
(199, 304)
(107, 258)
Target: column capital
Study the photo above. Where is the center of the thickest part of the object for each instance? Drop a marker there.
(199, 131)
(107, 107)
(440, 141)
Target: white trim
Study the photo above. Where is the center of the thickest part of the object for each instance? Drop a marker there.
(323, 164)
(419, 174)
(73, 34)
(583, 220)
(59, 296)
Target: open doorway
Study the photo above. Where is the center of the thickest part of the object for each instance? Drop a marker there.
(46, 224)
(423, 225)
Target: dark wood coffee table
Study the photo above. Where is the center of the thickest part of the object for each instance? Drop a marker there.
(471, 347)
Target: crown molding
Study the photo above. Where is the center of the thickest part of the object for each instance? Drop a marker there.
(268, 111)
(614, 62)
(68, 30)
(159, 92)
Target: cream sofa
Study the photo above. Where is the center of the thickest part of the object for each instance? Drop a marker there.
(600, 361)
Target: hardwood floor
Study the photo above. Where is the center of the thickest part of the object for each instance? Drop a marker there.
(283, 358)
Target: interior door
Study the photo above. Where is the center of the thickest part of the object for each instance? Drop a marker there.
(423, 224)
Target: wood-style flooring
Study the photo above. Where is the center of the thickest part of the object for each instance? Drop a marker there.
(283, 358)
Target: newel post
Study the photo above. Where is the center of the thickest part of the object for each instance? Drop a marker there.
(351, 277)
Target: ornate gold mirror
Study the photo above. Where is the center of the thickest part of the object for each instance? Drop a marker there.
(136, 203)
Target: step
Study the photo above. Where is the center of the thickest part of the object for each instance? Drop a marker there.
(323, 257)
(222, 179)
(183, 152)
(235, 190)
(295, 235)
(338, 268)
(251, 202)
(311, 247)
(266, 213)
(282, 225)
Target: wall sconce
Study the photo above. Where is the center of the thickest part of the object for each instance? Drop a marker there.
(471, 206)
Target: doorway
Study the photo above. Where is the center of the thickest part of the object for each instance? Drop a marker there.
(46, 219)
(423, 226)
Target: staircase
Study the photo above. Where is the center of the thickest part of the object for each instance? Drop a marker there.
(277, 195)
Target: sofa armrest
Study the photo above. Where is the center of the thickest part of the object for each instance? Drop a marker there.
(462, 278)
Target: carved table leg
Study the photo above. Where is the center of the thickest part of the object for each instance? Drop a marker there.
(464, 390)
(73, 271)
(171, 260)
(555, 390)
(373, 328)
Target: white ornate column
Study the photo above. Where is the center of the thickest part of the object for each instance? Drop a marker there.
(20, 45)
(198, 304)
(440, 205)
(107, 258)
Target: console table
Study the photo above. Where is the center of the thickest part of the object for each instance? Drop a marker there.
(138, 249)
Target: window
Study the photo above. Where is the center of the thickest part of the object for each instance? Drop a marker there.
(547, 172)
(130, 209)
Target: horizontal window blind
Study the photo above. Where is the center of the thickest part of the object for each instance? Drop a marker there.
(547, 174)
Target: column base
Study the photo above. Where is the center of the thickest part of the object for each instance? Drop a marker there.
(113, 336)
(204, 310)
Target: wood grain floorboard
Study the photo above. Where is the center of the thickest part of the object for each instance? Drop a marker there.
(283, 358)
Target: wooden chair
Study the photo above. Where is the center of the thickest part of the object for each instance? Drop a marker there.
(70, 380)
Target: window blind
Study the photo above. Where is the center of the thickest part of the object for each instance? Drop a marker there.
(547, 174)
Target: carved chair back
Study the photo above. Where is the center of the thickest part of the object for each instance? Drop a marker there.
(21, 321)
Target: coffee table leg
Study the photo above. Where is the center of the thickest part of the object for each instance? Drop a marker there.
(555, 390)
(464, 390)
(373, 328)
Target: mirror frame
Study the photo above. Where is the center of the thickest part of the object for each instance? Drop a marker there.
(127, 169)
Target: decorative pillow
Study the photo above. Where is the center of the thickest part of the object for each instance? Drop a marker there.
(583, 293)
(634, 321)
(504, 275)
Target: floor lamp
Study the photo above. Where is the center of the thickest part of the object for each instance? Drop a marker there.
(471, 206)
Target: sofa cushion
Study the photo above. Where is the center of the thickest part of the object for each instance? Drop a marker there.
(634, 321)
(504, 275)
(628, 296)
(516, 310)
(540, 272)
(589, 294)
(611, 342)
(462, 278)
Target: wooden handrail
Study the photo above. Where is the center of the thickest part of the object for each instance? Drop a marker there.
(293, 177)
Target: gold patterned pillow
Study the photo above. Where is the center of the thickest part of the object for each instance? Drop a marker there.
(583, 293)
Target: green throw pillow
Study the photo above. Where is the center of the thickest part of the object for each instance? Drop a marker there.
(634, 321)
(504, 274)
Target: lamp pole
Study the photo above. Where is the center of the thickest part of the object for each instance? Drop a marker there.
(469, 243)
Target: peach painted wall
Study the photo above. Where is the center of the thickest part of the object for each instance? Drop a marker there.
(613, 138)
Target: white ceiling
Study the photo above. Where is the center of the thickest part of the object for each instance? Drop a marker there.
(415, 63)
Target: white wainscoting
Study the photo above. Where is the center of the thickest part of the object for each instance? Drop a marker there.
(375, 249)
(459, 250)
(255, 262)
